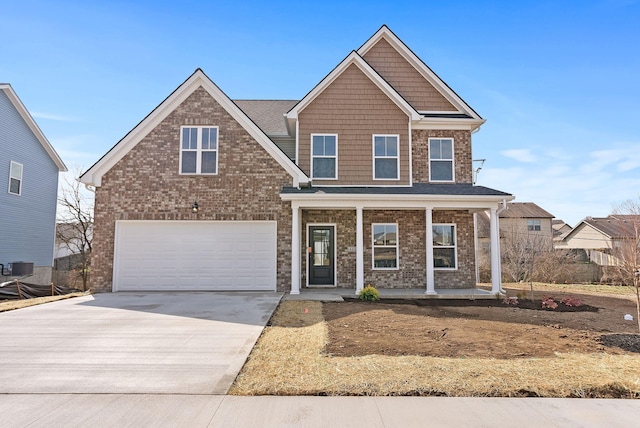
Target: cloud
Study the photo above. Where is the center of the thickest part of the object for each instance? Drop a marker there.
(571, 189)
(521, 155)
(624, 158)
(49, 116)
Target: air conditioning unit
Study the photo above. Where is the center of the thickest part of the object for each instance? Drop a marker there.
(21, 268)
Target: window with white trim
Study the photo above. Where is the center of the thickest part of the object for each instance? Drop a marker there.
(385, 246)
(444, 246)
(534, 225)
(15, 178)
(386, 161)
(441, 159)
(199, 150)
(324, 156)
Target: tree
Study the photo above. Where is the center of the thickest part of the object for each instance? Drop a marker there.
(520, 250)
(75, 223)
(626, 247)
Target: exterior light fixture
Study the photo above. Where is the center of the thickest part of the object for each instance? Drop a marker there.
(194, 207)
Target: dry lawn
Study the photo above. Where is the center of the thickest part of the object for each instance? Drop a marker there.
(9, 305)
(290, 359)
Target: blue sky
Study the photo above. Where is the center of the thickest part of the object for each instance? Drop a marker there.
(557, 81)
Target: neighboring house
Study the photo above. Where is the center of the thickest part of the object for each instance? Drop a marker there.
(600, 237)
(519, 220)
(560, 228)
(29, 169)
(367, 179)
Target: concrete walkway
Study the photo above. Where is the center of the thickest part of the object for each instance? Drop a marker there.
(194, 411)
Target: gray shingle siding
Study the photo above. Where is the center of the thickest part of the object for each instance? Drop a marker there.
(27, 222)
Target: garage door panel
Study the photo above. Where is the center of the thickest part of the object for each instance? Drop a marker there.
(195, 255)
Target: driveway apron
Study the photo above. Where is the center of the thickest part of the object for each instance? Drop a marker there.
(132, 343)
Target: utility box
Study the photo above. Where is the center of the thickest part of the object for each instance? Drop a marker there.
(21, 268)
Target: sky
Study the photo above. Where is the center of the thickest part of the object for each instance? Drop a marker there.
(557, 81)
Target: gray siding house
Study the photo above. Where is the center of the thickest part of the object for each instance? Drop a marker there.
(29, 169)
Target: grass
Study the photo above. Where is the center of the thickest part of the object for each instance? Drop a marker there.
(10, 305)
(289, 359)
(616, 290)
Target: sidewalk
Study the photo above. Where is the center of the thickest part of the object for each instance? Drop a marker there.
(194, 411)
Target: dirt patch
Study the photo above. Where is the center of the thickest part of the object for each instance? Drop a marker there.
(477, 328)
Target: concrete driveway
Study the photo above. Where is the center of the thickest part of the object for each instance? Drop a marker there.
(132, 343)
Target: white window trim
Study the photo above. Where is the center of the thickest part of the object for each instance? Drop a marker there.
(15, 178)
(199, 150)
(455, 246)
(323, 157)
(453, 160)
(374, 246)
(531, 227)
(374, 157)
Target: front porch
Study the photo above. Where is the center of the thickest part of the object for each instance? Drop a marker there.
(339, 294)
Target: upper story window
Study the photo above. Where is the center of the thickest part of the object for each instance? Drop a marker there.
(533, 225)
(15, 178)
(385, 246)
(441, 159)
(386, 162)
(324, 156)
(444, 246)
(199, 150)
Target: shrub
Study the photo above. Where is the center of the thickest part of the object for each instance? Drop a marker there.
(572, 301)
(510, 301)
(549, 303)
(369, 293)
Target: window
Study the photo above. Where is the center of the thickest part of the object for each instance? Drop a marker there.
(441, 159)
(385, 246)
(444, 246)
(324, 156)
(533, 225)
(15, 178)
(199, 150)
(386, 161)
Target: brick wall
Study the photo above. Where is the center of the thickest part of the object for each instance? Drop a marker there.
(462, 156)
(465, 275)
(146, 185)
(412, 248)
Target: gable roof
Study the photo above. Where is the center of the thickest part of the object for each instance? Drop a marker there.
(352, 59)
(385, 33)
(524, 210)
(611, 227)
(33, 126)
(93, 176)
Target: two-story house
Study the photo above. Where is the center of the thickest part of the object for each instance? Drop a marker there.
(367, 179)
(29, 169)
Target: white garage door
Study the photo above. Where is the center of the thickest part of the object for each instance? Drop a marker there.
(195, 255)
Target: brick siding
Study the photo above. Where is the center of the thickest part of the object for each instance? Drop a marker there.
(462, 154)
(145, 185)
(412, 248)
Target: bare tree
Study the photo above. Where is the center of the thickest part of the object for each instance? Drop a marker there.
(520, 250)
(75, 223)
(626, 247)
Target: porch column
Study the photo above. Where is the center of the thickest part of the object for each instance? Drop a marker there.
(431, 286)
(496, 271)
(359, 251)
(295, 248)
